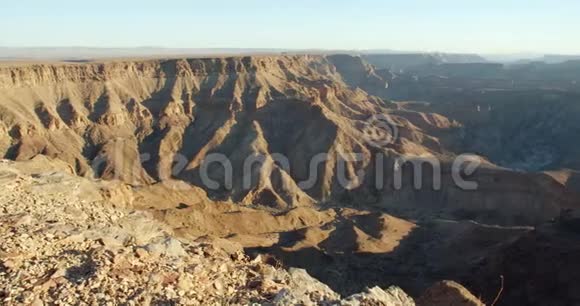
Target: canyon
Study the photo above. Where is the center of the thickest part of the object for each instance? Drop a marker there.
(151, 126)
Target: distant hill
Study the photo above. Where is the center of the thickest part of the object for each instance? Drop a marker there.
(404, 61)
(88, 53)
(526, 58)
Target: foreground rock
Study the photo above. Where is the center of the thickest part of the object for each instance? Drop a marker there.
(64, 241)
(448, 293)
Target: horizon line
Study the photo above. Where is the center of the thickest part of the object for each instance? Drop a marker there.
(381, 50)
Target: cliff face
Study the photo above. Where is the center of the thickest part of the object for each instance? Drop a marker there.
(103, 118)
(158, 120)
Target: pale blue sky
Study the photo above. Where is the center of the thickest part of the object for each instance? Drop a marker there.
(491, 26)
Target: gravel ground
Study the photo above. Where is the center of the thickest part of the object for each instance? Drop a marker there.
(68, 240)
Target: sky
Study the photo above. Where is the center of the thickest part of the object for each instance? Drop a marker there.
(466, 26)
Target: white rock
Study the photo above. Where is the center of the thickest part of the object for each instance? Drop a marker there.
(167, 246)
(393, 296)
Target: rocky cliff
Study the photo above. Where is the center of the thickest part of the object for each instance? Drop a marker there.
(158, 120)
(145, 130)
(66, 240)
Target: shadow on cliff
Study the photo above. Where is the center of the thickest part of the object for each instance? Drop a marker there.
(422, 258)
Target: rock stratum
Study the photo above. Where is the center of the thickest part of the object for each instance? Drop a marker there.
(153, 121)
(140, 134)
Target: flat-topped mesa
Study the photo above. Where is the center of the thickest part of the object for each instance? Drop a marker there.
(186, 108)
(44, 74)
(174, 87)
(100, 92)
(26, 75)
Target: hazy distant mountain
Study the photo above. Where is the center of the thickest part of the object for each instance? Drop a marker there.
(526, 58)
(380, 58)
(87, 53)
(554, 58)
(512, 57)
(404, 61)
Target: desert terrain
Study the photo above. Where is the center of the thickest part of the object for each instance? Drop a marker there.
(290, 179)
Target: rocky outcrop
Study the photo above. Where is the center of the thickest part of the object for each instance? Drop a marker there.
(149, 127)
(64, 240)
(448, 293)
(137, 121)
(144, 122)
